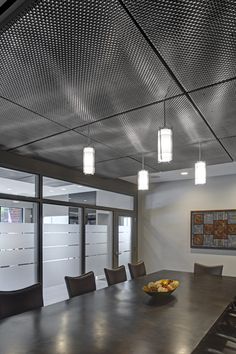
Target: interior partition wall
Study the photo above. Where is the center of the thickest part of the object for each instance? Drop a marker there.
(61, 249)
(18, 244)
(52, 227)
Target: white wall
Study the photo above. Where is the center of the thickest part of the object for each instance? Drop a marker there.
(164, 239)
(114, 200)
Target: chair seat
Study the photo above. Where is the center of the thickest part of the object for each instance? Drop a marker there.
(22, 300)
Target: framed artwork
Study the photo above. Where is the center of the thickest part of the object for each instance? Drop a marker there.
(213, 229)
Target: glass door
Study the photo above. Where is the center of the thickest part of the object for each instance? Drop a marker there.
(98, 243)
(123, 242)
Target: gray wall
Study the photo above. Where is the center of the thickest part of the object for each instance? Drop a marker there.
(164, 237)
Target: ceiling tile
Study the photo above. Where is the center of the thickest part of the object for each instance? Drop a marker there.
(20, 126)
(119, 168)
(185, 156)
(73, 62)
(136, 132)
(196, 38)
(65, 149)
(230, 144)
(218, 105)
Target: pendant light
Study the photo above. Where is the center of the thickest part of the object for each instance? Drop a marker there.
(165, 142)
(143, 178)
(89, 158)
(200, 170)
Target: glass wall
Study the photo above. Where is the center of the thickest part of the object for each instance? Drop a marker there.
(61, 249)
(72, 224)
(18, 244)
(98, 243)
(125, 240)
(64, 191)
(17, 183)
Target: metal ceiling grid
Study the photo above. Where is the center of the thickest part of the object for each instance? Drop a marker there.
(65, 149)
(136, 132)
(17, 175)
(230, 144)
(75, 63)
(20, 126)
(196, 38)
(186, 155)
(122, 167)
(218, 105)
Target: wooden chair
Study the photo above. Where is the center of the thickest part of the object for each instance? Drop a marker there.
(80, 285)
(115, 276)
(22, 300)
(211, 270)
(137, 269)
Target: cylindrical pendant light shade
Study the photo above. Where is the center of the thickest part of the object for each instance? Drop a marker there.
(200, 172)
(165, 145)
(89, 160)
(143, 180)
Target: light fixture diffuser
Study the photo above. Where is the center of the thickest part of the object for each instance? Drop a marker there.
(200, 172)
(165, 145)
(89, 160)
(143, 180)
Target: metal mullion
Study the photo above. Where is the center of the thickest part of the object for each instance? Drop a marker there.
(40, 232)
(115, 241)
(83, 240)
(19, 197)
(88, 206)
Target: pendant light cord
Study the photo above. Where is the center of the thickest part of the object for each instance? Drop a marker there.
(142, 162)
(200, 152)
(165, 103)
(89, 139)
(164, 114)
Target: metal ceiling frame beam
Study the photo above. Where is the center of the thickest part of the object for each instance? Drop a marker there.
(11, 9)
(20, 5)
(172, 75)
(25, 164)
(83, 125)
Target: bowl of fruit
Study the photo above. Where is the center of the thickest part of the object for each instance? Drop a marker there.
(160, 288)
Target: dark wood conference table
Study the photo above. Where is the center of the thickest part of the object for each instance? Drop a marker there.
(122, 319)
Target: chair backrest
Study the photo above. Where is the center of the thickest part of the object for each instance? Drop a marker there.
(211, 270)
(80, 285)
(137, 269)
(115, 276)
(19, 301)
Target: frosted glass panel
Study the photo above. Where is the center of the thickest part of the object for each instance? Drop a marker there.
(18, 244)
(125, 240)
(62, 190)
(98, 241)
(55, 271)
(17, 182)
(61, 245)
(17, 277)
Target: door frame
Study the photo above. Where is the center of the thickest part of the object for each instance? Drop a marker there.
(116, 215)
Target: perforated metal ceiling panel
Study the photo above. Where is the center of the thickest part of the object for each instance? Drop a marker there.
(78, 61)
(120, 167)
(230, 144)
(218, 104)
(20, 126)
(186, 155)
(197, 38)
(136, 132)
(107, 64)
(65, 149)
